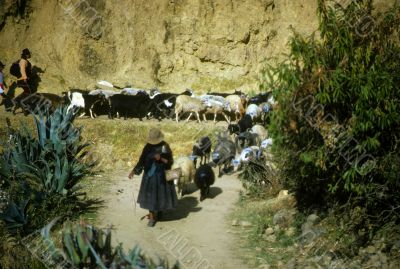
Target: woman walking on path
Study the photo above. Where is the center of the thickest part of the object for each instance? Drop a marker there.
(155, 194)
(2, 84)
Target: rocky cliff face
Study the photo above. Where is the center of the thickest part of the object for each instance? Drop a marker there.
(172, 44)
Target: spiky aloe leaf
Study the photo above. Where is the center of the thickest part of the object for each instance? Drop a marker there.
(107, 250)
(100, 239)
(15, 215)
(45, 233)
(97, 257)
(83, 242)
(69, 245)
(5, 170)
(41, 129)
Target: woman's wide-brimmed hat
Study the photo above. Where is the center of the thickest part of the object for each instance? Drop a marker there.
(26, 52)
(155, 136)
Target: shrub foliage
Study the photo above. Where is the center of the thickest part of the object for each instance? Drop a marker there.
(85, 246)
(337, 118)
(40, 173)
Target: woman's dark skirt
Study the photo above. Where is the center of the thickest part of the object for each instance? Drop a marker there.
(156, 194)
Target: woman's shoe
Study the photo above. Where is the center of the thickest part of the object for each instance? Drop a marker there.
(152, 219)
(151, 223)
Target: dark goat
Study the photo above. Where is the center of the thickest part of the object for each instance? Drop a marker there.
(163, 104)
(246, 139)
(129, 106)
(223, 154)
(243, 125)
(202, 149)
(81, 100)
(204, 178)
(260, 98)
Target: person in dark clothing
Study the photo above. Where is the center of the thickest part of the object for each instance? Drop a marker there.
(2, 83)
(25, 68)
(155, 194)
(26, 71)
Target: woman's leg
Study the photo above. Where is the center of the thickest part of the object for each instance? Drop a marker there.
(152, 218)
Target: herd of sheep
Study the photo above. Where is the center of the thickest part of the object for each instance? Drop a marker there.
(241, 144)
(244, 140)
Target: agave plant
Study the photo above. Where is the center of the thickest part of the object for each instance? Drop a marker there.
(85, 246)
(56, 158)
(21, 151)
(15, 215)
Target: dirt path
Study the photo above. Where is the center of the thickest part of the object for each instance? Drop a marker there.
(197, 234)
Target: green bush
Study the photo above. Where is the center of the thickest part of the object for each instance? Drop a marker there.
(41, 172)
(337, 118)
(85, 246)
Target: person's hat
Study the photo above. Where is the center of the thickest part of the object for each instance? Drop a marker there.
(26, 52)
(1, 64)
(155, 136)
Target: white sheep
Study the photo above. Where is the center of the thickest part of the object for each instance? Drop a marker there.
(186, 103)
(215, 105)
(261, 131)
(235, 102)
(188, 172)
(254, 112)
(248, 154)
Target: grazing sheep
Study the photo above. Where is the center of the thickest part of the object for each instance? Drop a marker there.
(260, 98)
(86, 102)
(236, 104)
(265, 148)
(243, 125)
(215, 105)
(265, 109)
(266, 143)
(202, 149)
(188, 172)
(254, 112)
(246, 139)
(186, 103)
(247, 155)
(203, 179)
(163, 104)
(129, 106)
(261, 131)
(224, 152)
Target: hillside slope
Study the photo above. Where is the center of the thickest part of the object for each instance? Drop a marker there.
(174, 44)
(171, 44)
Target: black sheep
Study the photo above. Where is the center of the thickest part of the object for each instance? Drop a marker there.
(162, 104)
(244, 124)
(202, 149)
(204, 178)
(247, 139)
(260, 98)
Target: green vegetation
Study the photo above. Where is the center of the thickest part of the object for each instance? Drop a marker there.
(85, 246)
(335, 129)
(40, 175)
(338, 114)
